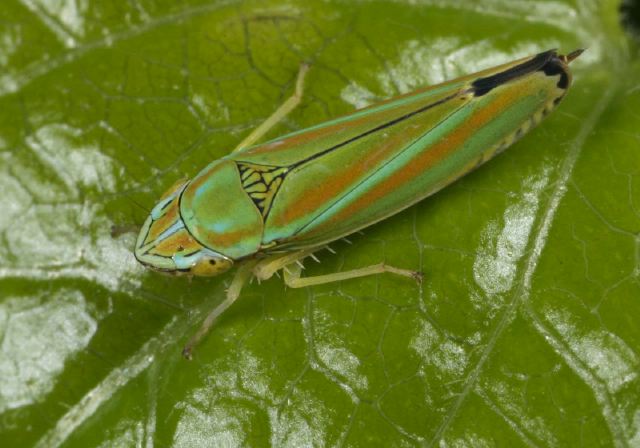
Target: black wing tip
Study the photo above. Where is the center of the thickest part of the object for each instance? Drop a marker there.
(567, 58)
(549, 54)
(560, 66)
(482, 86)
(549, 62)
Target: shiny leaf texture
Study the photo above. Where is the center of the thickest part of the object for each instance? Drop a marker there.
(524, 333)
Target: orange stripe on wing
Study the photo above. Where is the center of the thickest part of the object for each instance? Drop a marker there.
(293, 142)
(345, 177)
(425, 159)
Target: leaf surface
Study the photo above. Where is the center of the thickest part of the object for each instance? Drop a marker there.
(524, 332)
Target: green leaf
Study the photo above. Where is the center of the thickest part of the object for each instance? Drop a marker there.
(524, 333)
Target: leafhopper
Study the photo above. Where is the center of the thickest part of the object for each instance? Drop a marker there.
(268, 206)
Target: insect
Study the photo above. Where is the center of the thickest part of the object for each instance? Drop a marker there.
(267, 206)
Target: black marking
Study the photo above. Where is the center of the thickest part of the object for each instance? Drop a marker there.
(479, 87)
(146, 235)
(263, 190)
(380, 127)
(164, 207)
(548, 62)
(376, 129)
(557, 67)
(482, 86)
(443, 120)
(168, 257)
(245, 185)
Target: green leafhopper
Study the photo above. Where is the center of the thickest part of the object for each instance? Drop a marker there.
(267, 206)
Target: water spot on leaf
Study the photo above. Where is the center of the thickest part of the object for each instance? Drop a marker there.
(14, 200)
(445, 355)
(495, 265)
(38, 337)
(72, 240)
(76, 163)
(343, 362)
(302, 424)
(357, 95)
(608, 356)
(198, 427)
(512, 402)
(69, 14)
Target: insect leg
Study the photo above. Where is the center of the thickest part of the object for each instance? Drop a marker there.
(292, 275)
(282, 111)
(269, 266)
(243, 274)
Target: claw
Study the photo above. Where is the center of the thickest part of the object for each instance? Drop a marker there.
(187, 353)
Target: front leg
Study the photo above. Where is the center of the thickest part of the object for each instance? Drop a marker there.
(243, 274)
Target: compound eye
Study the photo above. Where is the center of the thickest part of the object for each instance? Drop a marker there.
(208, 266)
